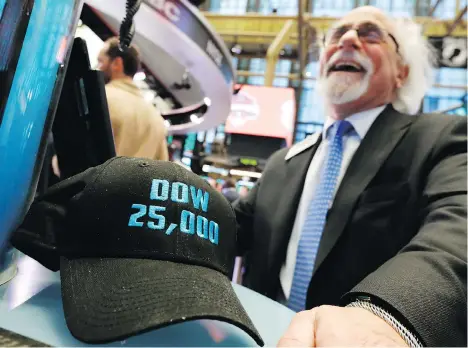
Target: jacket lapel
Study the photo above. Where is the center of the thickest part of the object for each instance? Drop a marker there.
(289, 190)
(380, 140)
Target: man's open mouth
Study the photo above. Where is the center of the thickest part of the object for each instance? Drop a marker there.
(346, 66)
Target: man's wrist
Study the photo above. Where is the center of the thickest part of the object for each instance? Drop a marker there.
(410, 339)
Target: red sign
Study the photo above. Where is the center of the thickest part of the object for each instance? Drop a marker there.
(263, 111)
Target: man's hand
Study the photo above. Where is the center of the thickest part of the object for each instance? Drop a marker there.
(337, 326)
(55, 166)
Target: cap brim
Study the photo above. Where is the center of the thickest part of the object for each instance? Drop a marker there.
(106, 300)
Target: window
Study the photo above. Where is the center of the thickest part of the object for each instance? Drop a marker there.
(311, 115)
(232, 7)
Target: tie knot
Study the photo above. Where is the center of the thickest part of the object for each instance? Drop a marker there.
(342, 127)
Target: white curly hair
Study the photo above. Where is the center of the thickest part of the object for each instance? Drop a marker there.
(419, 56)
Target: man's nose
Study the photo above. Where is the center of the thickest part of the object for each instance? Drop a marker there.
(350, 40)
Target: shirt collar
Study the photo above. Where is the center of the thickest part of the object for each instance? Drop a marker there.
(361, 121)
(126, 84)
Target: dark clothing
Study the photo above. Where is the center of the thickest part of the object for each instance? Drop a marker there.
(397, 230)
(230, 194)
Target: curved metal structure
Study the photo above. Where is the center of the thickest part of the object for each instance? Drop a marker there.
(176, 40)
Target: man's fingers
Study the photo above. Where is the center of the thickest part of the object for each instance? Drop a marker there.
(55, 166)
(301, 331)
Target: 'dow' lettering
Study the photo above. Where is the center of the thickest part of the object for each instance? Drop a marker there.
(160, 190)
(200, 197)
(179, 192)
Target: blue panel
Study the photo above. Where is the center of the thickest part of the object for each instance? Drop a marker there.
(2, 6)
(45, 43)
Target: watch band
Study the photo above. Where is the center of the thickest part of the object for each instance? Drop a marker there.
(410, 339)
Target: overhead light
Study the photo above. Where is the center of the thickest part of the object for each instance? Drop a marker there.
(245, 173)
(236, 49)
(207, 101)
(139, 76)
(195, 119)
(245, 183)
(211, 169)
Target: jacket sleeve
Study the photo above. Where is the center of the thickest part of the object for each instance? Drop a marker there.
(164, 155)
(115, 118)
(162, 152)
(244, 209)
(424, 285)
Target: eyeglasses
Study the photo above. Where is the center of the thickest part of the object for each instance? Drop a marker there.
(367, 32)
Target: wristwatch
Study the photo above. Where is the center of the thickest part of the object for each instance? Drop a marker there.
(365, 303)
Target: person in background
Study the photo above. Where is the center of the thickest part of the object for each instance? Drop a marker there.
(243, 191)
(212, 182)
(138, 128)
(229, 190)
(362, 228)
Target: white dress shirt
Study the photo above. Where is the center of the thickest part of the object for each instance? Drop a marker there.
(361, 123)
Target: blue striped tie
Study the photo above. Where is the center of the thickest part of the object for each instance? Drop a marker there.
(316, 217)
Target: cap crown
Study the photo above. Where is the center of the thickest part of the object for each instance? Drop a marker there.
(141, 208)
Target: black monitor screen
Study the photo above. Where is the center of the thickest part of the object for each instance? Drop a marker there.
(253, 146)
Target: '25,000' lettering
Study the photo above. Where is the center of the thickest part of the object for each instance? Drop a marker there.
(189, 222)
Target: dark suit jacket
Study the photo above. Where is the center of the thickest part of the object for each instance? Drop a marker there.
(396, 231)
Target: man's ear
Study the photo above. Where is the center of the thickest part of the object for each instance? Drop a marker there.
(402, 75)
(117, 64)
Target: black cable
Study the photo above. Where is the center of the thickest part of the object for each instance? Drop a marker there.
(196, 3)
(127, 28)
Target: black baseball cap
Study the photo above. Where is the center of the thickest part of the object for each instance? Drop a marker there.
(140, 244)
